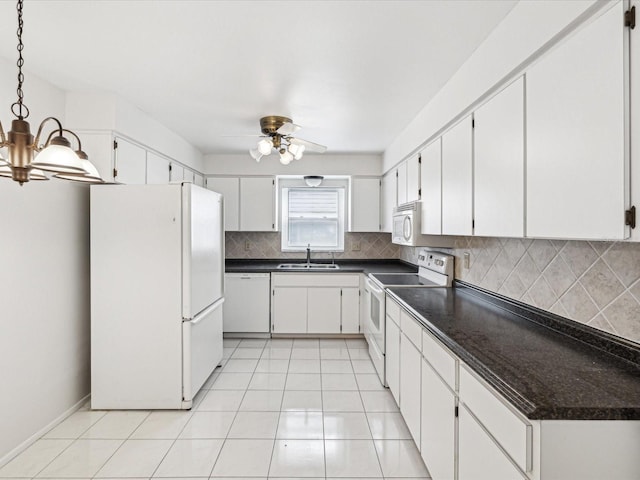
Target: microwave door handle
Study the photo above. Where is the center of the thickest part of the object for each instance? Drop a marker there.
(406, 228)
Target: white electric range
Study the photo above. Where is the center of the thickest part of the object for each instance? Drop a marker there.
(435, 269)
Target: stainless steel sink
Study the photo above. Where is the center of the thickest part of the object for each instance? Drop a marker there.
(308, 266)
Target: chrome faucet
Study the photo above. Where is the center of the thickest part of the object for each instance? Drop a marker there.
(308, 255)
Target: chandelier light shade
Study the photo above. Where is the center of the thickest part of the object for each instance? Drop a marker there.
(255, 154)
(27, 159)
(265, 145)
(285, 157)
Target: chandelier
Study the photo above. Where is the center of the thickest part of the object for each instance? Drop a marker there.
(28, 159)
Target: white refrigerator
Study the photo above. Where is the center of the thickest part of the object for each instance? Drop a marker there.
(157, 288)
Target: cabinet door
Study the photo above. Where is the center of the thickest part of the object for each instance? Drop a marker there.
(457, 185)
(479, 458)
(499, 164)
(438, 425)
(130, 163)
(388, 201)
(410, 359)
(289, 310)
(392, 358)
(177, 172)
(157, 169)
(229, 187)
(365, 205)
(576, 155)
(431, 184)
(256, 204)
(350, 310)
(323, 310)
(189, 176)
(401, 173)
(198, 180)
(413, 179)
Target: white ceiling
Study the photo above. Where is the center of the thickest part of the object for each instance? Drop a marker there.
(352, 73)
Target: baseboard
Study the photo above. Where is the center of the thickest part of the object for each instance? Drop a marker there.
(33, 438)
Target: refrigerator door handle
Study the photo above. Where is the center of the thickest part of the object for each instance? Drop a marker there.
(198, 318)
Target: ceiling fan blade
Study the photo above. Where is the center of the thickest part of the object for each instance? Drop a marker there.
(239, 136)
(288, 128)
(309, 146)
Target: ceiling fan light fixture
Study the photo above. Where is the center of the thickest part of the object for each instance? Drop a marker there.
(285, 157)
(265, 145)
(296, 150)
(313, 180)
(255, 154)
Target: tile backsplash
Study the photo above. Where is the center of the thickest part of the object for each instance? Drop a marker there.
(267, 245)
(596, 283)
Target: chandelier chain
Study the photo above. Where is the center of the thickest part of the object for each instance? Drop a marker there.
(22, 110)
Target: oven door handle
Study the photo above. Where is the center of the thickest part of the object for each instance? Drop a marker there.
(373, 288)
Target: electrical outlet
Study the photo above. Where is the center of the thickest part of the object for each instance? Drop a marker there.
(466, 260)
(355, 246)
(247, 245)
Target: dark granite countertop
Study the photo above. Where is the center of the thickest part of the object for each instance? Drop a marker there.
(346, 266)
(547, 366)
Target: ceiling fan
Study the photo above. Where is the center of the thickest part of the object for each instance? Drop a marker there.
(277, 134)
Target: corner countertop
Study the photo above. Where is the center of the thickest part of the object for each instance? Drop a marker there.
(547, 366)
(263, 265)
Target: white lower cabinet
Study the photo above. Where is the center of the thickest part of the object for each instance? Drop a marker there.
(437, 425)
(410, 359)
(350, 310)
(289, 310)
(392, 358)
(479, 457)
(315, 303)
(323, 310)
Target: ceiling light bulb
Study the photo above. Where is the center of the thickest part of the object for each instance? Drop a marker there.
(255, 154)
(298, 155)
(265, 145)
(285, 157)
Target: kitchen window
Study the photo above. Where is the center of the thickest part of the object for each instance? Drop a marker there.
(313, 216)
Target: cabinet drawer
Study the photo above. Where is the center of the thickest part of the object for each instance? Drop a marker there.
(314, 280)
(512, 432)
(411, 328)
(393, 310)
(440, 359)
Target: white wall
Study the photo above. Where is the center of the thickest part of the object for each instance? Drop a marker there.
(103, 111)
(44, 273)
(524, 31)
(310, 164)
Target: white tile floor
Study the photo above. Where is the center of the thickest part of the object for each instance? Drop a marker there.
(277, 408)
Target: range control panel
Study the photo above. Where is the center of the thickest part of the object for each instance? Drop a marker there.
(436, 262)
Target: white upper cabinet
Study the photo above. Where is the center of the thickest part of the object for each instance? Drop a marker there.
(130, 163)
(408, 177)
(257, 199)
(413, 178)
(365, 204)
(229, 187)
(457, 179)
(157, 169)
(198, 179)
(388, 199)
(576, 115)
(431, 182)
(499, 164)
(177, 172)
(401, 175)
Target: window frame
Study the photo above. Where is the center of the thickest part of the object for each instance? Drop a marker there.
(341, 186)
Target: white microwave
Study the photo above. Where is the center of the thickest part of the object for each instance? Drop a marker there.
(407, 225)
